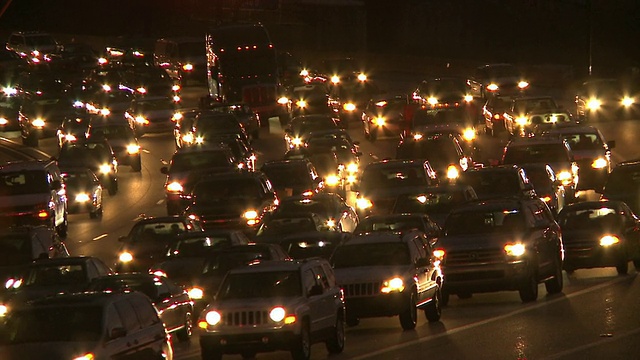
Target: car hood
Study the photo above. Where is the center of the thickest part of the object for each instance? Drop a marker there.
(53, 350)
(370, 273)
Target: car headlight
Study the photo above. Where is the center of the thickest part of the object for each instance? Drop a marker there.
(176, 98)
(133, 149)
(82, 197)
(516, 249)
(3, 309)
(296, 141)
(331, 224)
(565, 177)
(452, 172)
(283, 101)
(195, 293)
(352, 167)
(301, 104)
(492, 87)
(394, 285)
(199, 140)
(277, 314)
(439, 254)
(349, 106)
(187, 138)
(332, 180)
(599, 163)
(175, 87)
(522, 120)
(3, 121)
(351, 179)
(105, 112)
(432, 100)
(627, 101)
(523, 84)
(87, 356)
(363, 203)
(609, 240)
(594, 104)
(9, 91)
(106, 87)
(142, 120)
(417, 136)
(187, 67)
(469, 134)
(38, 122)
(250, 215)
(125, 257)
(304, 72)
(468, 98)
(141, 90)
(13, 283)
(175, 187)
(362, 77)
(70, 138)
(105, 169)
(335, 79)
(546, 199)
(176, 117)
(213, 318)
(379, 121)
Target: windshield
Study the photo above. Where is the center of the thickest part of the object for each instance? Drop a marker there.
(427, 117)
(56, 275)
(153, 231)
(492, 184)
(602, 219)
(583, 141)
(214, 190)
(192, 247)
(429, 202)
(484, 222)
(392, 177)
(281, 176)
(59, 324)
(306, 125)
(528, 105)
(152, 105)
(261, 285)
(544, 153)
(377, 254)
(113, 132)
(23, 183)
(623, 181)
(182, 162)
(39, 40)
(220, 263)
(285, 226)
(389, 224)
(304, 206)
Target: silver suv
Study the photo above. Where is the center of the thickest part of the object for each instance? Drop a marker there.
(274, 305)
(389, 273)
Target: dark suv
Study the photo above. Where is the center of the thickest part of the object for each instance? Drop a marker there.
(502, 244)
(623, 184)
(275, 305)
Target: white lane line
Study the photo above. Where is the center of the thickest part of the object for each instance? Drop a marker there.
(605, 340)
(146, 151)
(490, 320)
(99, 237)
(160, 202)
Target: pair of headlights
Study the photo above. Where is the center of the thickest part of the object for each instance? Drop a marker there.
(277, 314)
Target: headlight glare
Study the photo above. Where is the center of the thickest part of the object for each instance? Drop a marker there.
(213, 318)
(125, 257)
(517, 249)
(599, 163)
(609, 240)
(277, 314)
(394, 285)
(195, 293)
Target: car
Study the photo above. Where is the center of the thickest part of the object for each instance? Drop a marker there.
(84, 191)
(117, 130)
(399, 222)
(72, 129)
(591, 152)
(446, 122)
(32, 193)
(35, 46)
(501, 244)
(108, 99)
(85, 325)
(389, 274)
(309, 244)
(382, 181)
(186, 167)
(351, 96)
(183, 130)
(385, 116)
(95, 154)
(209, 125)
(239, 200)
(151, 81)
(498, 182)
(290, 300)
(11, 61)
(606, 99)
(184, 58)
(278, 226)
(600, 234)
(498, 78)
(204, 273)
(192, 244)
(443, 91)
(533, 114)
(148, 240)
(330, 206)
(245, 115)
(311, 98)
(546, 185)
(10, 102)
(435, 201)
(298, 129)
(293, 177)
(443, 152)
(152, 114)
(548, 150)
(172, 302)
(623, 184)
(493, 115)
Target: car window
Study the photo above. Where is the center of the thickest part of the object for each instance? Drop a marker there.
(147, 315)
(112, 318)
(128, 316)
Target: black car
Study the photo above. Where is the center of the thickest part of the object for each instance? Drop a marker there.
(435, 201)
(84, 191)
(95, 154)
(211, 124)
(600, 234)
(606, 99)
(386, 117)
(9, 107)
(72, 129)
(310, 99)
(293, 177)
(330, 206)
(443, 152)
(546, 185)
(398, 223)
(624, 184)
(498, 182)
(298, 129)
(501, 244)
(42, 112)
(152, 114)
(117, 130)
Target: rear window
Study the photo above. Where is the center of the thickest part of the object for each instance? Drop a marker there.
(23, 183)
(377, 254)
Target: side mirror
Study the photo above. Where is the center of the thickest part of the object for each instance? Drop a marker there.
(611, 144)
(315, 290)
(164, 170)
(117, 333)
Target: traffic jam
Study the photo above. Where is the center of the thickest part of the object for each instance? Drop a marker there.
(274, 213)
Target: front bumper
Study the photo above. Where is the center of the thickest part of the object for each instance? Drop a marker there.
(249, 340)
(376, 306)
(585, 255)
(486, 278)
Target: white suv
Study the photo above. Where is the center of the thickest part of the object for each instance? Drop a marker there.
(274, 305)
(389, 273)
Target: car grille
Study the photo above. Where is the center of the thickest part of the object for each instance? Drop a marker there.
(246, 318)
(474, 257)
(362, 289)
(577, 248)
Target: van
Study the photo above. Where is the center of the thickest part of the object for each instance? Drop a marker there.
(32, 193)
(183, 58)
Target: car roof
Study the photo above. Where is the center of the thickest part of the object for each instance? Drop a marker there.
(277, 265)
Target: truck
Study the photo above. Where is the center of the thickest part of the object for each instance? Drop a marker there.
(242, 67)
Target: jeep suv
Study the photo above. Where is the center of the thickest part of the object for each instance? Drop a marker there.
(33, 193)
(33, 45)
(389, 273)
(274, 305)
(501, 244)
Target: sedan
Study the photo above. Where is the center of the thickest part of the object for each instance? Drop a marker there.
(84, 191)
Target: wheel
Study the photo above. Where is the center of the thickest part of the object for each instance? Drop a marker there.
(623, 267)
(636, 264)
(301, 349)
(137, 165)
(248, 354)
(529, 290)
(210, 353)
(445, 297)
(409, 318)
(555, 284)
(569, 270)
(185, 333)
(113, 188)
(62, 228)
(335, 344)
(433, 311)
(352, 321)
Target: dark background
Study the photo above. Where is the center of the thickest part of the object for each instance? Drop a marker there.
(517, 31)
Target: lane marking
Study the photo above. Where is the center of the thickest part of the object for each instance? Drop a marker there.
(160, 202)
(99, 237)
(146, 151)
(490, 320)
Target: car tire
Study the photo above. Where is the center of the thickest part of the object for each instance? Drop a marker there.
(529, 290)
(409, 317)
(63, 228)
(185, 333)
(301, 349)
(248, 354)
(623, 267)
(636, 264)
(335, 343)
(433, 311)
(113, 188)
(210, 353)
(137, 165)
(556, 283)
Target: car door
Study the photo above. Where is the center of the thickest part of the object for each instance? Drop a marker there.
(314, 300)
(422, 271)
(326, 309)
(130, 342)
(150, 334)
